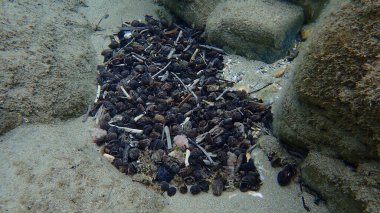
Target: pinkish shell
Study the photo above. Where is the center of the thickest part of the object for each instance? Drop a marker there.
(181, 141)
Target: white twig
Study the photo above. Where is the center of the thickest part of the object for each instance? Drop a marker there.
(138, 117)
(187, 157)
(161, 70)
(171, 53)
(221, 95)
(137, 58)
(125, 93)
(187, 119)
(97, 94)
(178, 37)
(204, 152)
(186, 87)
(194, 55)
(168, 139)
(126, 129)
(212, 48)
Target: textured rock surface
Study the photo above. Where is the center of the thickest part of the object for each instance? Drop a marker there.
(193, 12)
(257, 29)
(331, 103)
(311, 8)
(345, 188)
(46, 67)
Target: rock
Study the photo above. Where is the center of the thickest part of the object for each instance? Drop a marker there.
(328, 106)
(311, 8)
(261, 30)
(47, 67)
(344, 189)
(272, 147)
(9, 120)
(193, 12)
(329, 103)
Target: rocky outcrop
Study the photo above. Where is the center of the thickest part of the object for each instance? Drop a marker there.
(194, 12)
(331, 105)
(47, 62)
(311, 8)
(258, 29)
(261, 30)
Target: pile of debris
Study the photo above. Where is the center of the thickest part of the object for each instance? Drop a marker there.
(167, 117)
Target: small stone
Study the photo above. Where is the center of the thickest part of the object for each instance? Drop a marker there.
(183, 189)
(171, 191)
(195, 189)
(164, 186)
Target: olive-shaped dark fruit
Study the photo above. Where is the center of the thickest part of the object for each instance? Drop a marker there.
(183, 189)
(171, 191)
(285, 176)
(195, 189)
(204, 185)
(164, 186)
(217, 186)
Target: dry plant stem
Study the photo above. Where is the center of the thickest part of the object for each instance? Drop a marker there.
(187, 157)
(265, 86)
(150, 45)
(187, 47)
(184, 100)
(97, 94)
(168, 139)
(98, 114)
(161, 70)
(213, 163)
(171, 53)
(126, 129)
(125, 93)
(178, 37)
(137, 58)
(138, 117)
(194, 55)
(187, 119)
(187, 88)
(203, 57)
(107, 62)
(221, 95)
(212, 48)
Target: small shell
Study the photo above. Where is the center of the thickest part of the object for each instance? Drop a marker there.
(181, 141)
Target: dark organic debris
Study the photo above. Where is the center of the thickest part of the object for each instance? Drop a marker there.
(163, 110)
(286, 174)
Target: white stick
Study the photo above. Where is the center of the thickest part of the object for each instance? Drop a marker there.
(187, 157)
(194, 55)
(125, 92)
(161, 70)
(204, 152)
(97, 94)
(178, 37)
(171, 53)
(168, 139)
(138, 117)
(129, 130)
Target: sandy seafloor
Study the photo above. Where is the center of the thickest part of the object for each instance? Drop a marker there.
(56, 167)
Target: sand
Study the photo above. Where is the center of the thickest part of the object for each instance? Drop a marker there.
(55, 167)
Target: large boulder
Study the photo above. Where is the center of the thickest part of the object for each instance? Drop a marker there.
(330, 105)
(257, 29)
(194, 12)
(344, 187)
(47, 62)
(311, 8)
